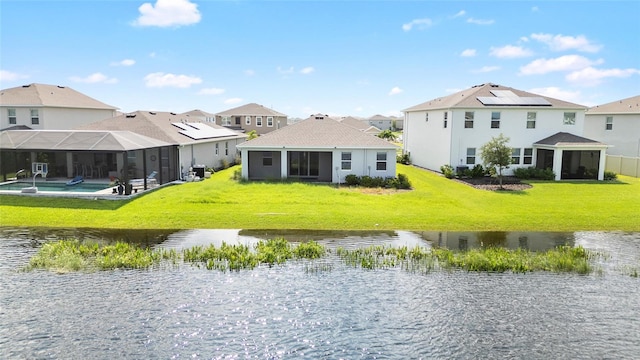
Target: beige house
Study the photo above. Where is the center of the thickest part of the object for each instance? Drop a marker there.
(49, 107)
(199, 116)
(251, 117)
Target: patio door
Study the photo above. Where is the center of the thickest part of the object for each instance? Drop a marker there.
(304, 164)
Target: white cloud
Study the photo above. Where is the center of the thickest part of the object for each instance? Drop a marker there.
(125, 62)
(420, 24)
(395, 91)
(285, 71)
(249, 72)
(11, 76)
(152, 55)
(359, 109)
(535, 9)
(160, 79)
(562, 63)
(480, 21)
(557, 93)
(211, 91)
(94, 79)
(468, 53)
(510, 52)
(168, 13)
(460, 13)
(232, 101)
(486, 69)
(307, 70)
(561, 42)
(590, 76)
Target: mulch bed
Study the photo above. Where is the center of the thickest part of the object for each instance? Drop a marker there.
(509, 183)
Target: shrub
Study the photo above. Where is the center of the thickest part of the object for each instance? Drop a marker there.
(447, 171)
(403, 182)
(400, 182)
(532, 172)
(352, 180)
(403, 159)
(477, 171)
(610, 175)
(225, 163)
(366, 181)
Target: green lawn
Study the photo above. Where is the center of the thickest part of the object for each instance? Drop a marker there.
(435, 203)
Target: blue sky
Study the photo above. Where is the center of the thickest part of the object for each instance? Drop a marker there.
(358, 58)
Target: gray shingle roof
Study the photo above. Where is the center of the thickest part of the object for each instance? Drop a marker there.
(563, 138)
(356, 123)
(157, 125)
(250, 109)
(467, 99)
(625, 106)
(318, 133)
(74, 140)
(49, 96)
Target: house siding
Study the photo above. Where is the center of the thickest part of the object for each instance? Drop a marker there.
(54, 118)
(624, 137)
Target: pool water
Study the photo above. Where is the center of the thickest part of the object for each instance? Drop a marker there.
(55, 186)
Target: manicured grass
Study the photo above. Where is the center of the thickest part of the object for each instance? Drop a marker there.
(435, 203)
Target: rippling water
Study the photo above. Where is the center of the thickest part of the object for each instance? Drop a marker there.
(288, 312)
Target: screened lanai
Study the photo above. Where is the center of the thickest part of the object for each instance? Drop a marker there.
(91, 154)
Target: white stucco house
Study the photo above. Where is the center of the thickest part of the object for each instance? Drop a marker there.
(198, 143)
(543, 131)
(49, 107)
(318, 149)
(617, 124)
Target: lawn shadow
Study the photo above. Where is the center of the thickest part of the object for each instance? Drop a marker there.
(61, 203)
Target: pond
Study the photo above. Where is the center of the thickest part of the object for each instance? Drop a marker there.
(288, 312)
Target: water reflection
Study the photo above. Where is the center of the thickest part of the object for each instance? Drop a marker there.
(528, 240)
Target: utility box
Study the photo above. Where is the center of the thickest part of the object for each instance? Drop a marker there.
(198, 170)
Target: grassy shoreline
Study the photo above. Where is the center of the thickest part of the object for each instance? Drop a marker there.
(435, 203)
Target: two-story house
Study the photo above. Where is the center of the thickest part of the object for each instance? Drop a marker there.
(251, 117)
(49, 107)
(617, 124)
(543, 131)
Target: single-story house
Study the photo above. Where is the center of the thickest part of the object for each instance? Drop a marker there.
(318, 149)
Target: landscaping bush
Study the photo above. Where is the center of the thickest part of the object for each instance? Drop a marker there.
(534, 173)
(447, 171)
(610, 175)
(352, 180)
(477, 171)
(366, 181)
(400, 182)
(403, 159)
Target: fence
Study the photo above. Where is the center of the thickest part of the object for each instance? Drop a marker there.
(623, 165)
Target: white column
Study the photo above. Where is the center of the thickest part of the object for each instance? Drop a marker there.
(603, 160)
(244, 156)
(284, 164)
(557, 163)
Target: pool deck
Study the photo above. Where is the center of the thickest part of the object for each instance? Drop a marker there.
(105, 194)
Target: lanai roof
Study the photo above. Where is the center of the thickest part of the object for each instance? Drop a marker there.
(76, 140)
(49, 96)
(564, 139)
(318, 132)
(474, 97)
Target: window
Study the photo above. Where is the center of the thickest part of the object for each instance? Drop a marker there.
(426, 116)
(217, 149)
(515, 156)
(11, 114)
(35, 117)
(267, 158)
(346, 161)
(608, 124)
(468, 119)
(528, 156)
(226, 148)
(226, 121)
(446, 114)
(495, 119)
(471, 156)
(270, 121)
(569, 118)
(381, 161)
(258, 120)
(238, 120)
(531, 120)
(247, 120)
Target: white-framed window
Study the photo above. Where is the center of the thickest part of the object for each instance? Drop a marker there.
(270, 121)
(468, 119)
(226, 148)
(471, 156)
(446, 115)
(528, 156)
(569, 118)
(426, 117)
(35, 117)
(515, 156)
(608, 123)
(346, 161)
(531, 120)
(247, 120)
(217, 149)
(267, 158)
(495, 119)
(381, 161)
(258, 120)
(226, 121)
(11, 115)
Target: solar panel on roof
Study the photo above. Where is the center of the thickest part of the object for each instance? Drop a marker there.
(503, 93)
(511, 101)
(198, 131)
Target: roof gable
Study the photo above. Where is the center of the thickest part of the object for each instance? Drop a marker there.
(564, 138)
(49, 96)
(318, 132)
(625, 106)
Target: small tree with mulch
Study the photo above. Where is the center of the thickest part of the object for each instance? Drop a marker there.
(497, 154)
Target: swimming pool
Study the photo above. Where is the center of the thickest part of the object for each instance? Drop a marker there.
(55, 186)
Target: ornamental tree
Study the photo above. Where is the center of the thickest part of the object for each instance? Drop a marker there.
(497, 154)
